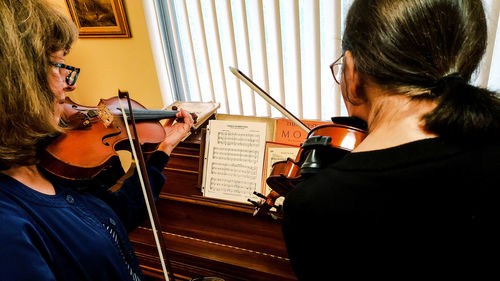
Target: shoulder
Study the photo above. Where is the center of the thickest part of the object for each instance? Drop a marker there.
(24, 249)
(432, 151)
(18, 234)
(13, 218)
(14, 214)
(312, 195)
(18, 229)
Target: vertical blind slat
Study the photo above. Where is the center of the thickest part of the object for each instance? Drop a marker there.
(298, 60)
(274, 55)
(265, 67)
(492, 9)
(231, 57)
(177, 47)
(218, 52)
(204, 49)
(264, 57)
(247, 93)
(163, 68)
(257, 40)
(289, 54)
(311, 62)
(194, 74)
(279, 55)
(337, 16)
(317, 60)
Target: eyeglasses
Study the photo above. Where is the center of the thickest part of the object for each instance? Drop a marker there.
(336, 68)
(73, 74)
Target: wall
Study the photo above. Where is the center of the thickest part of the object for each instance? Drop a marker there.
(109, 64)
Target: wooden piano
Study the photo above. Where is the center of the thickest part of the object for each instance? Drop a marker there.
(209, 237)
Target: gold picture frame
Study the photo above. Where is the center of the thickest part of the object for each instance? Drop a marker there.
(99, 18)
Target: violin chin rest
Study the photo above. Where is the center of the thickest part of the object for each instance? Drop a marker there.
(313, 162)
(319, 158)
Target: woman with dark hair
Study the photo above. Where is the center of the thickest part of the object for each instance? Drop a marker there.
(420, 194)
(50, 231)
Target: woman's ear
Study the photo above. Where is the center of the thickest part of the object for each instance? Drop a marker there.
(351, 78)
(353, 90)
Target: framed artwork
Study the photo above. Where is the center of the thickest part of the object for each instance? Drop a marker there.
(99, 18)
(275, 152)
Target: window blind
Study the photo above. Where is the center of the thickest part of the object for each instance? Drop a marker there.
(285, 46)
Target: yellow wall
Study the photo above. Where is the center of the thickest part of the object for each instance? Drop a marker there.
(109, 64)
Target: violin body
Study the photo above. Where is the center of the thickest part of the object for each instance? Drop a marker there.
(324, 145)
(96, 134)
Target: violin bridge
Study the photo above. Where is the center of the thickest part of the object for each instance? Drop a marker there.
(104, 114)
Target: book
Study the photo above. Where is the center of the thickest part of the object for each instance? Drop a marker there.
(203, 110)
(287, 132)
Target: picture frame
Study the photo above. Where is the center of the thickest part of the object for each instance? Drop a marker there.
(271, 157)
(99, 18)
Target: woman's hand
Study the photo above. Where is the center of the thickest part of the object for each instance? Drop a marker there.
(176, 131)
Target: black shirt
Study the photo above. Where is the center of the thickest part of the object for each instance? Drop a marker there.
(402, 212)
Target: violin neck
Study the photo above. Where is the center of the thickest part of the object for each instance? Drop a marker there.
(151, 115)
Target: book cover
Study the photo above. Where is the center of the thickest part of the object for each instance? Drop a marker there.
(287, 132)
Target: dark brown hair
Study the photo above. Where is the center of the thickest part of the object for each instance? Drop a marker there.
(30, 30)
(427, 49)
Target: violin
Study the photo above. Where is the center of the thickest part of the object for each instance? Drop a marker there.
(94, 135)
(323, 146)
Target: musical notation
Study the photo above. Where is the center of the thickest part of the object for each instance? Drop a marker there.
(234, 138)
(236, 154)
(231, 187)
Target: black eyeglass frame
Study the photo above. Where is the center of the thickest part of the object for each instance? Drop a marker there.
(70, 81)
(332, 66)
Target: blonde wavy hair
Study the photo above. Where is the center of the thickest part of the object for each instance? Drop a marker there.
(30, 30)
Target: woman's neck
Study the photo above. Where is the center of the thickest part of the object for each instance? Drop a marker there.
(394, 120)
(32, 178)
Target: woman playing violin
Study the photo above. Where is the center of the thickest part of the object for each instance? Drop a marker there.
(420, 194)
(50, 231)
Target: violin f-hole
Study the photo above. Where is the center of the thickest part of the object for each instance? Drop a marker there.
(110, 136)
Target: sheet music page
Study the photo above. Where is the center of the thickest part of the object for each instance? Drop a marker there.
(275, 154)
(202, 109)
(234, 159)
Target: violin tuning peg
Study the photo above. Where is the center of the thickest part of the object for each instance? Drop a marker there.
(255, 203)
(122, 94)
(259, 195)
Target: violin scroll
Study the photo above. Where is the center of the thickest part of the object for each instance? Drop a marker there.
(266, 204)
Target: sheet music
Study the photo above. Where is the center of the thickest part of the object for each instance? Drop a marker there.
(275, 154)
(235, 154)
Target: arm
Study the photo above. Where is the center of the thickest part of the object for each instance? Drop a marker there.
(129, 201)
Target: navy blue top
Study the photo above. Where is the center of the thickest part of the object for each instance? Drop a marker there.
(72, 235)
